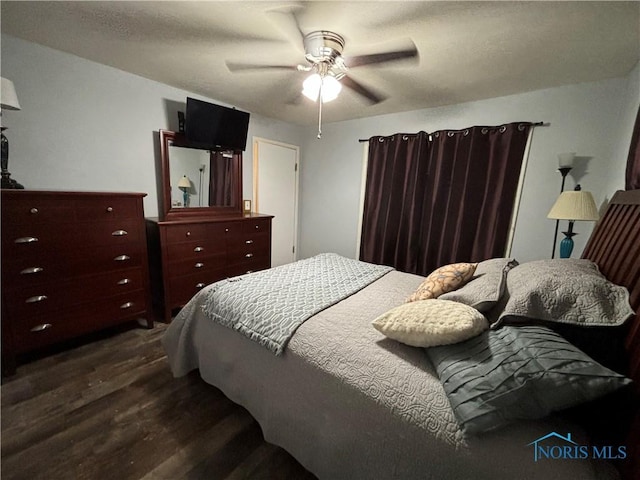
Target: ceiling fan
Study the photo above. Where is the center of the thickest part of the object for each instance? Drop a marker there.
(329, 68)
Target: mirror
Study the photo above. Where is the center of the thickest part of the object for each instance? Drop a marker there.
(197, 182)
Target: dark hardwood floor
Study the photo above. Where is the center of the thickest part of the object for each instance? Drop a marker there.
(110, 409)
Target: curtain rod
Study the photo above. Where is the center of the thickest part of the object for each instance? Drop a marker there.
(536, 124)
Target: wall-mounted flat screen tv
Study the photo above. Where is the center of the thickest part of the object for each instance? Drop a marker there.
(214, 127)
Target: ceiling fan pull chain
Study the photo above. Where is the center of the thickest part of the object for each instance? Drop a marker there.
(320, 110)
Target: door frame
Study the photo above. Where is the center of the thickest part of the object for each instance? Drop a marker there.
(256, 203)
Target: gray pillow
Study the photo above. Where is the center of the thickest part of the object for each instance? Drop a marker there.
(486, 286)
(517, 373)
(566, 291)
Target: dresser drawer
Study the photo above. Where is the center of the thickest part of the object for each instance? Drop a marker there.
(256, 225)
(48, 298)
(181, 289)
(118, 232)
(193, 265)
(19, 238)
(204, 248)
(40, 330)
(247, 258)
(23, 270)
(34, 240)
(255, 243)
(108, 208)
(190, 232)
(36, 210)
(185, 233)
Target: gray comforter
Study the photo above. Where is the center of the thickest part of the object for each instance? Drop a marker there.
(349, 403)
(270, 305)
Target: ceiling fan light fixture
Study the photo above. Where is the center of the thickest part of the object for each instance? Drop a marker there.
(331, 87)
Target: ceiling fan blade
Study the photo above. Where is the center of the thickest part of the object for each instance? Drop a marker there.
(360, 60)
(366, 92)
(287, 22)
(241, 67)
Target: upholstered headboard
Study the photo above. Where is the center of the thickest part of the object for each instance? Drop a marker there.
(615, 247)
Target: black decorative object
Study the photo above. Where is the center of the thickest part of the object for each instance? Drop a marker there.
(8, 101)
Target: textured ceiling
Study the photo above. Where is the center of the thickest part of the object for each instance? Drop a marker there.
(467, 50)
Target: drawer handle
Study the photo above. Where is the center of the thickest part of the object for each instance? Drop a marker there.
(188, 234)
(124, 281)
(226, 229)
(30, 270)
(199, 265)
(124, 306)
(42, 327)
(122, 258)
(200, 285)
(249, 242)
(249, 255)
(33, 211)
(109, 209)
(26, 240)
(36, 299)
(198, 249)
(119, 233)
(257, 227)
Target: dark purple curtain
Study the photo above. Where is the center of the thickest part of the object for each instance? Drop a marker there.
(221, 180)
(632, 177)
(441, 198)
(395, 185)
(473, 180)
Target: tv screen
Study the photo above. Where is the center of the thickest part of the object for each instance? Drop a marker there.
(215, 127)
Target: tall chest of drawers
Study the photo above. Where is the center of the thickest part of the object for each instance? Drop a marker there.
(72, 263)
(187, 255)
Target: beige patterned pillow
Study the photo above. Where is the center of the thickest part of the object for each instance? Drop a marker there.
(427, 323)
(444, 279)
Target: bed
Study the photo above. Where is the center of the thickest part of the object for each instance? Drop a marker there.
(348, 402)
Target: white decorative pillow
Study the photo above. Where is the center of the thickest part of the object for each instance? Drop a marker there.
(427, 323)
(442, 280)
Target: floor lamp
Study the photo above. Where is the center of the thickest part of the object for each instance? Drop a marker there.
(565, 164)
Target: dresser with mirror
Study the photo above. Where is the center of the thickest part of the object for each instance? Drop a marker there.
(201, 234)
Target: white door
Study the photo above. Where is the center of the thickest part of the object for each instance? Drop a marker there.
(275, 192)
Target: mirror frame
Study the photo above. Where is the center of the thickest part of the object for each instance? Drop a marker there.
(168, 138)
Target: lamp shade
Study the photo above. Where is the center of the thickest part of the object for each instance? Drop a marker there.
(574, 205)
(184, 182)
(8, 97)
(565, 160)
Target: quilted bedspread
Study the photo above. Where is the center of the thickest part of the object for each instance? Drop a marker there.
(350, 404)
(269, 306)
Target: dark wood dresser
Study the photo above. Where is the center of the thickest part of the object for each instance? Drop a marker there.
(72, 263)
(186, 255)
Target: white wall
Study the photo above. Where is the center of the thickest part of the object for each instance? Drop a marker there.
(86, 126)
(583, 118)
